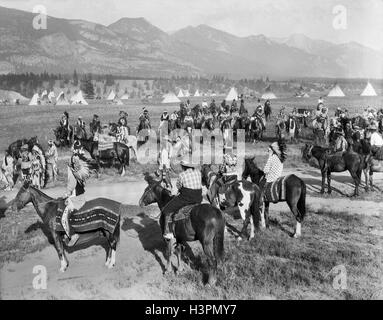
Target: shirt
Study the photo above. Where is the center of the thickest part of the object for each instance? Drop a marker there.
(273, 168)
(190, 179)
(376, 140)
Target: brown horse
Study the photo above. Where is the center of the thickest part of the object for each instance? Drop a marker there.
(47, 209)
(205, 224)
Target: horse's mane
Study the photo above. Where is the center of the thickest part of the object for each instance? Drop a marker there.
(42, 194)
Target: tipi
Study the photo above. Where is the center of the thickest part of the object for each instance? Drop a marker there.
(186, 93)
(233, 95)
(197, 94)
(180, 94)
(125, 96)
(51, 96)
(111, 96)
(368, 91)
(336, 92)
(118, 102)
(61, 100)
(35, 100)
(78, 98)
(170, 98)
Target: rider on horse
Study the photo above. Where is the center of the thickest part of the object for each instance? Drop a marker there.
(123, 131)
(64, 123)
(78, 172)
(274, 165)
(258, 113)
(376, 142)
(189, 185)
(95, 126)
(341, 143)
(242, 109)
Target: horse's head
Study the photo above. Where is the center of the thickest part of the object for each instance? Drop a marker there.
(307, 152)
(22, 198)
(152, 192)
(251, 169)
(205, 171)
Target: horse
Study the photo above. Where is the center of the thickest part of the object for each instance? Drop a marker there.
(205, 224)
(242, 194)
(47, 208)
(15, 147)
(256, 129)
(143, 125)
(208, 124)
(328, 163)
(130, 141)
(295, 194)
(64, 138)
(119, 152)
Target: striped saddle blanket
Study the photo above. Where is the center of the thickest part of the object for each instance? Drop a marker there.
(95, 214)
(275, 191)
(105, 142)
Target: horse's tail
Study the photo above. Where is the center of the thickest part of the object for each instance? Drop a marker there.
(219, 238)
(302, 201)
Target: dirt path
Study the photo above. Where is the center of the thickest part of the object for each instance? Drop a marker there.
(139, 256)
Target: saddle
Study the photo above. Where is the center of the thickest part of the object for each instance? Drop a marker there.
(275, 191)
(95, 214)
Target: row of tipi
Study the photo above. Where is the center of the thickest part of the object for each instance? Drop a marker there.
(368, 91)
(61, 100)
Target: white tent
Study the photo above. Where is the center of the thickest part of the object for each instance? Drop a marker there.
(369, 91)
(170, 98)
(35, 100)
(233, 95)
(62, 100)
(111, 96)
(186, 93)
(180, 94)
(336, 92)
(125, 96)
(197, 94)
(78, 98)
(268, 96)
(118, 102)
(51, 96)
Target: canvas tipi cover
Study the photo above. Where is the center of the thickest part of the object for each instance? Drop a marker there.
(111, 96)
(369, 91)
(78, 98)
(180, 94)
(61, 100)
(170, 98)
(197, 94)
(336, 92)
(118, 102)
(233, 95)
(35, 100)
(186, 93)
(125, 96)
(51, 96)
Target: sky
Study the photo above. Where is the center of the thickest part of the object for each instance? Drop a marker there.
(358, 20)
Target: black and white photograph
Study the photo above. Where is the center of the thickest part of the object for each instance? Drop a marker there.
(175, 150)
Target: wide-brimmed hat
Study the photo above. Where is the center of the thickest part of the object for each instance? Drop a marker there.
(185, 162)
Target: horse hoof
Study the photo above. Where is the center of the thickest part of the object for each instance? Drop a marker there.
(111, 266)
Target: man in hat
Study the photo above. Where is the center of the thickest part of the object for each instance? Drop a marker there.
(52, 158)
(376, 142)
(64, 123)
(189, 185)
(78, 172)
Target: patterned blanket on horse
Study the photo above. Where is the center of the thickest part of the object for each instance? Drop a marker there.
(276, 191)
(184, 213)
(105, 142)
(95, 214)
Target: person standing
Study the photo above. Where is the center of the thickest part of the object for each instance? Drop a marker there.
(52, 158)
(7, 170)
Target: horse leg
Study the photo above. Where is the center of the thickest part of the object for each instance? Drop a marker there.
(60, 250)
(211, 262)
(112, 240)
(243, 232)
(263, 214)
(356, 182)
(266, 214)
(168, 254)
(365, 172)
(323, 180)
(371, 180)
(329, 181)
(179, 248)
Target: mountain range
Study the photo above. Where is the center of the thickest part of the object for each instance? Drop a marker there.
(133, 46)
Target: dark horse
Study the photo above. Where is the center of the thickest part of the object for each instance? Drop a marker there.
(119, 152)
(205, 224)
(295, 194)
(338, 162)
(47, 209)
